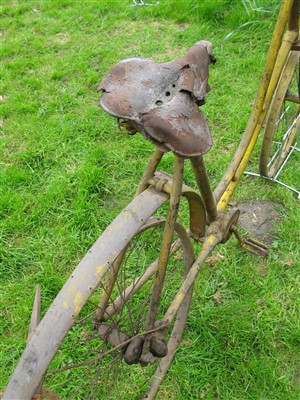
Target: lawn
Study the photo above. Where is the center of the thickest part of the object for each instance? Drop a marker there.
(66, 172)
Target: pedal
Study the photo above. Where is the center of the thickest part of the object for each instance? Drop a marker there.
(253, 246)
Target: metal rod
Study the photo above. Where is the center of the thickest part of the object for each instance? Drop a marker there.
(210, 242)
(234, 170)
(258, 105)
(108, 287)
(274, 180)
(166, 242)
(204, 187)
(285, 152)
(283, 164)
(149, 171)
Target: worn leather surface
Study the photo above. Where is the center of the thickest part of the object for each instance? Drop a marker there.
(161, 100)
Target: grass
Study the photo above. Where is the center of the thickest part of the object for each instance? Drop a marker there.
(66, 173)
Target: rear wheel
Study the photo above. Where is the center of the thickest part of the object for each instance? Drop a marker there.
(88, 344)
(73, 297)
(283, 121)
(101, 356)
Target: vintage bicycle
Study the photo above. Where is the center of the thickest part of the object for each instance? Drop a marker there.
(128, 296)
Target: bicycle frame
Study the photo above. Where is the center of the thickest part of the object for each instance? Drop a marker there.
(222, 224)
(208, 208)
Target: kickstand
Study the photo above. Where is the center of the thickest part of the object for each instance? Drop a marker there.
(253, 246)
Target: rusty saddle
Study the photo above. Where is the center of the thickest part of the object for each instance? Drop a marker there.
(162, 101)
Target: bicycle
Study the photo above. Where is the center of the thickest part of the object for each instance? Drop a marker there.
(144, 335)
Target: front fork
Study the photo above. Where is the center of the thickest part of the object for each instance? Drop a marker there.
(147, 356)
(212, 239)
(221, 226)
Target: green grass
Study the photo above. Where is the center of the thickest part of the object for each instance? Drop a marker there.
(66, 173)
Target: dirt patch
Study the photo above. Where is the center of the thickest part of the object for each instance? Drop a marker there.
(259, 219)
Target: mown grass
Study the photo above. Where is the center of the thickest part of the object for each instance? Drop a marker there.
(66, 173)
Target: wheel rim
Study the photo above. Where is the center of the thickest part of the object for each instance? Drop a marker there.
(86, 366)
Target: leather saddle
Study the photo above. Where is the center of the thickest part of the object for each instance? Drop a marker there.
(162, 101)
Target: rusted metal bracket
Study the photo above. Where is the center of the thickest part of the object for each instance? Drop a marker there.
(162, 182)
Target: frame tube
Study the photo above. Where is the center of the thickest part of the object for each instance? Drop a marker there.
(149, 171)
(166, 242)
(204, 187)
